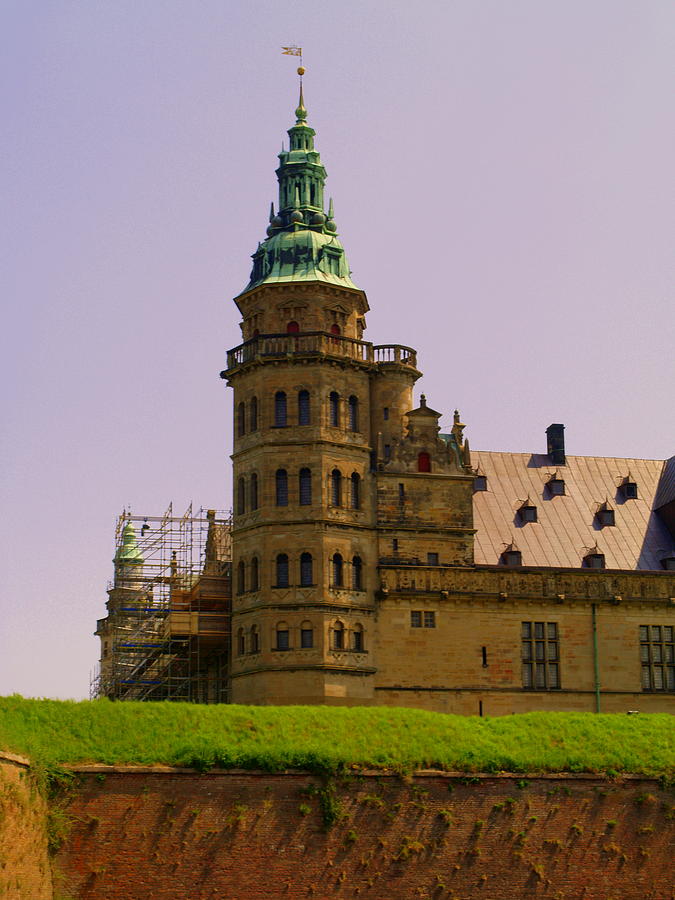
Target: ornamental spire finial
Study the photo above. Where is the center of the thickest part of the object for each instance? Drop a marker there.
(301, 112)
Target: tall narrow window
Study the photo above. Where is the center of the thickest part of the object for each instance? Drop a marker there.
(283, 641)
(353, 413)
(424, 462)
(336, 565)
(306, 570)
(338, 636)
(335, 329)
(334, 409)
(282, 487)
(254, 642)
(306, 636)
(305, 487)
(657, 657)
(357, 639)
(282, 570)
(241, 496)
(303, 408)
(355, 491)
(540, 656)
(335, 487)
(253, 414)
(292, 328)
(255, 584)
(241, 419)
(357, 574)
(254, 491)
(241, 577)
(280, 419)
(241, 642)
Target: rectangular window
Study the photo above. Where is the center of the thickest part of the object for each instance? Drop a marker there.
(657, 657)
(432, 559)
(540, 654)
(282, 640)
(306, 638)
(429, 618)
(422, 618)
(387, 451)
(385, 413)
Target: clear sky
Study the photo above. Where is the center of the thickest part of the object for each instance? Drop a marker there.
(503, 184)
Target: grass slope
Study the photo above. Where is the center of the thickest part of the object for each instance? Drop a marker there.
(53, 732)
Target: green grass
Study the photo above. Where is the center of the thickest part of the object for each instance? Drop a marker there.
(322, 739)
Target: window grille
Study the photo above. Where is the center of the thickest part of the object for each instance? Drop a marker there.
(282, 487)
(306, 636)
(357, 639)
(540, 655)
(335, 487)
(338, 636)
(303, 408)
(255, 639)
(357, 574)
(306, 570)
(337, 568)
(353, 414)
(305, 479)
(657, 657)
(355, 491)
(283, 642)
(480, 483)
(334, 409)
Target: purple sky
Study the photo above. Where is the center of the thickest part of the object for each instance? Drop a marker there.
(502, 175)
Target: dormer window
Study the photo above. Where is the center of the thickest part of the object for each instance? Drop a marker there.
(556, 486)
(527, 512)
(668, 563)
(605, 515)
(628, 489)
(511, 557)
(594, 560)
(480, 483)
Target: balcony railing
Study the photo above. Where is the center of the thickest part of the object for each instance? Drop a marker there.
(318, 343)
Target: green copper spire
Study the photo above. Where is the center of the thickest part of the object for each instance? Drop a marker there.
(302, 243)
(129, 553)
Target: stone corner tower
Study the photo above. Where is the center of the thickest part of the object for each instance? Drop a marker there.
(334, 472)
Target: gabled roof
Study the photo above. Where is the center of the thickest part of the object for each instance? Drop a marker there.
(566, 526)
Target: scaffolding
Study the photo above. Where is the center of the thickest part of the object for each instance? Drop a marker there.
(167, 632)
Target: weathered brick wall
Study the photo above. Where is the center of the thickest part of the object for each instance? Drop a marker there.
(232, 836)
(24, 863)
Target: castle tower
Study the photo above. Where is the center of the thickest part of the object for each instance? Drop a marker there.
(322, 421)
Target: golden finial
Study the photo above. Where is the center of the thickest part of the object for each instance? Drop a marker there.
(301, 71)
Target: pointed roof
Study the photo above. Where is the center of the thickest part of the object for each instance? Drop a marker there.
(129, 553)
(302, 242)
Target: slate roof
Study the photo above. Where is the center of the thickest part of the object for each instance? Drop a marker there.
(566, 527)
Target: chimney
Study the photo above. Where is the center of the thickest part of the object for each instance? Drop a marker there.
(555, 444)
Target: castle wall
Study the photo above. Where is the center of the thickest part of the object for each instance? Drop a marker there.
(175, 835)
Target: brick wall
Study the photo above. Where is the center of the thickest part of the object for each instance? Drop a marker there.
(230, 836)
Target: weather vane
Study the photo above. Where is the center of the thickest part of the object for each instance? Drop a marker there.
(294, 50)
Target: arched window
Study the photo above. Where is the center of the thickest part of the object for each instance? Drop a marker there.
(355, 491)
(334, 409)
(335, 329)
(254, 642)
(303, 408)
(335, 487)
(280, 420)
(306, 570)
(357, 574)
(338, 636)
(255, 569)
(292, 328)
(241, 577)
(357, 639)
(241, 496)
(306, 636)
(305, 485)
(283, 636)
(424, 462)
(253, 414)
(241, 642)
(353, 413)
(282, 570)
(241, 419)
(282, 487)
(254, 491)
(337, 573)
